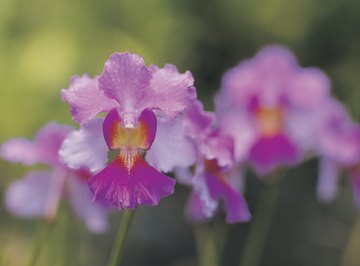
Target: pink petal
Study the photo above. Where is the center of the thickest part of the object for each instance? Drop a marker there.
(234, 203)
(127, 186)
(171, 147)
(141, 136)
(85, 147)
(198, 123)
(171, 92)
(28, 197)
(273, 151)
(308, 88)
(194, 210)
(19, 150)
(48, 141)
(126, 79)
(328, 180)
(85, 98)
(94, 215)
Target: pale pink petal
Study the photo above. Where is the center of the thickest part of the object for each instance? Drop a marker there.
(328, 179)
(93, 214)
(85, 98)
(28, 197)
(197, 122)
(308, 88)
(19, 150)
(126, 79)
(85, 147)
(171, 92)
(171, 147)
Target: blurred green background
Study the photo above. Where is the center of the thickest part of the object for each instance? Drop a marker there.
(43, 43)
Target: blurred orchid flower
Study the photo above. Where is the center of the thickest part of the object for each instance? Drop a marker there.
(138, 100)
(266, 105)
(39, 192)
(216, 179)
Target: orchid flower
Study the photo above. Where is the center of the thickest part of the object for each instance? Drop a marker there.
(216, 179)
(136, 100)
(39, 192)
(266, 105)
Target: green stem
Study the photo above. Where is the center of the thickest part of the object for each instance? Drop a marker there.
(117, 249)
(351, 255)
(43, 233)
(206, 246)
(260, 225)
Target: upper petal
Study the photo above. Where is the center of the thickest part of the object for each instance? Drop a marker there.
(85, 147)
(85, 98)
(308, 88)
(126, 79)
(28, 197)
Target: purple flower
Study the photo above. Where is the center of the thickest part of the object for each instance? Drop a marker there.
(338, 145)
(215, 179)
(141, 102)
(39, 192)
(266, 104)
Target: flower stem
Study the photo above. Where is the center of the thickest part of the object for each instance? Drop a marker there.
(206, 246)
(117, 249)
(260, 225)
(43, 233)
(351, 255)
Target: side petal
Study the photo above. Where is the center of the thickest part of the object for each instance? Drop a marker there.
(27, 197)
(141, 136)
(85, 98)
(126, 187)
(94, 215)
(171, 147)
(234, 203)
(126, 79)
(85, 147)
(328, 180)
(19, 150)
(171, 92)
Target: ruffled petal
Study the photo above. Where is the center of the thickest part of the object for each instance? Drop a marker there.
(234, 203)
(127, 184)
(94, 215)
(85, 98)
(308, 88)
(270, 152)
(171, 92)
(328, 179)
(28, 197)
(171, 147)
(19, 150)
(126, 79)
(141, 136)
(85, 147)
(197, 122)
